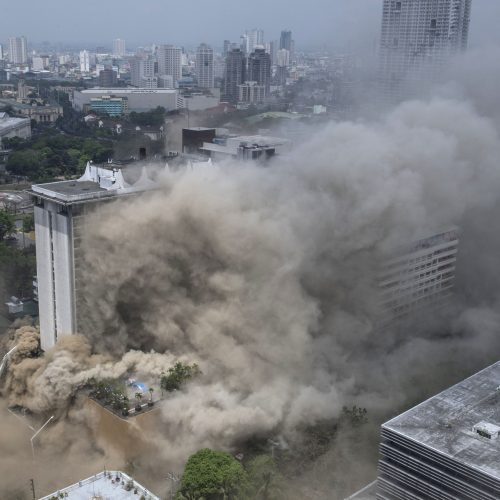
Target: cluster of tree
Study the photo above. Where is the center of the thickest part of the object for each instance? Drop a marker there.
(177, 375)
(17, 268)
(155, 117)
(53, 155)
(217, 475)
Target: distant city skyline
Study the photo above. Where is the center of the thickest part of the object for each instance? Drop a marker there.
(322, 22)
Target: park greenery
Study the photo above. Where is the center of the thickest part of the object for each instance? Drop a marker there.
(52, 155)
(177, 375)
(212, 475)
(155, 117)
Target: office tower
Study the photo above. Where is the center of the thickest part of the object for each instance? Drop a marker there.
(259, 68)
(107, 78)
(169, 61)
(1, 52)
(142, 72)
(418, 39)
(226, 48)
(234, 75)
(422, 275)
(61, 210)
(282, 63)
(271, 50)
(205, 66)
(251, 93)
(119, 47)
(446, 447)
(286, 40)
(84, 61)
(18, 50)
(252, 39)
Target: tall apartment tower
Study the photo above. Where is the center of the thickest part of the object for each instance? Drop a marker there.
(286, 40)
(418, 39)
(18, 50)
(61, 210)
(234, 75)
(170, 61)
(205, 66)
(259, 68)
(84, 61)
(142, 73)
(119, 47)
(1, 52)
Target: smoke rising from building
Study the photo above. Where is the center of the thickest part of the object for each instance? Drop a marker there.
(266, 277)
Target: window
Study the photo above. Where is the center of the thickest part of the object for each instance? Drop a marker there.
(433, 23)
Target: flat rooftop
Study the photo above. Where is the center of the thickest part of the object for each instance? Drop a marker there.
(8, 122)
(70, 191)
(122, 90)
(104, 485)
(445, 422)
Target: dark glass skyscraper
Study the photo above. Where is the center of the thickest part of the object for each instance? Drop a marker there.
(259, 68)
(234, 75)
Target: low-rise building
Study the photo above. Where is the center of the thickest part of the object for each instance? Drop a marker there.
(108, 105)
(14, 127)
(47, 113)
(114, 485)
(251, 147)
(139, 100)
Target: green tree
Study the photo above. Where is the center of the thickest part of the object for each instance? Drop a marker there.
(7, 224)
(212, 475)
(265, 481)
(28, 223)
(177, 375)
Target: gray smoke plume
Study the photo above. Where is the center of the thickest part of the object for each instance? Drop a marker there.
(266, 277)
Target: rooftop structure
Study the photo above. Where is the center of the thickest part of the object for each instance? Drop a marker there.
(14, 127)
(139, 99)
(106, 485)
(446, 447)
(247, 147)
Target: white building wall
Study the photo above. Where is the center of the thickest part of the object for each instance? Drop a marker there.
(44, 276)
(54, 256)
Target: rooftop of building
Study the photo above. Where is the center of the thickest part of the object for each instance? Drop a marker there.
(126, 90)
(21, 105)
(7, 122)
(114, 485)
(452, 423)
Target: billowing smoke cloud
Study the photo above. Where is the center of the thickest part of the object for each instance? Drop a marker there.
(266, 277)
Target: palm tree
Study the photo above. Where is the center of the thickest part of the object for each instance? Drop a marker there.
(151, 390)
(138, 396)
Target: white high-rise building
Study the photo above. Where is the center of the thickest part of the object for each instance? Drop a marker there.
(60, 210)
(205, 66)
(1, 52)
(418, 39)
(84, 61)
(119, 47)
(142, 73)
(252, 39)
(170, 61)
(18, 50)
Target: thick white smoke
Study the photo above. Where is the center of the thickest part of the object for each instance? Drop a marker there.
(266, 277)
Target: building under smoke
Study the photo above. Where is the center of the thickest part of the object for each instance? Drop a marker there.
(421, 277)
(418, 39)
(446, 447)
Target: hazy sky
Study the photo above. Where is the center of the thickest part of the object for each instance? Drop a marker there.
(314, 22)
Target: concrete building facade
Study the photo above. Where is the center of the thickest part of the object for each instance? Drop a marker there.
(418, 39)
(119, 47)
(18, 50)
(234, 75)
(170, 62)
(205, 66)
(14, 127)
(139, 100)
(84, 61)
